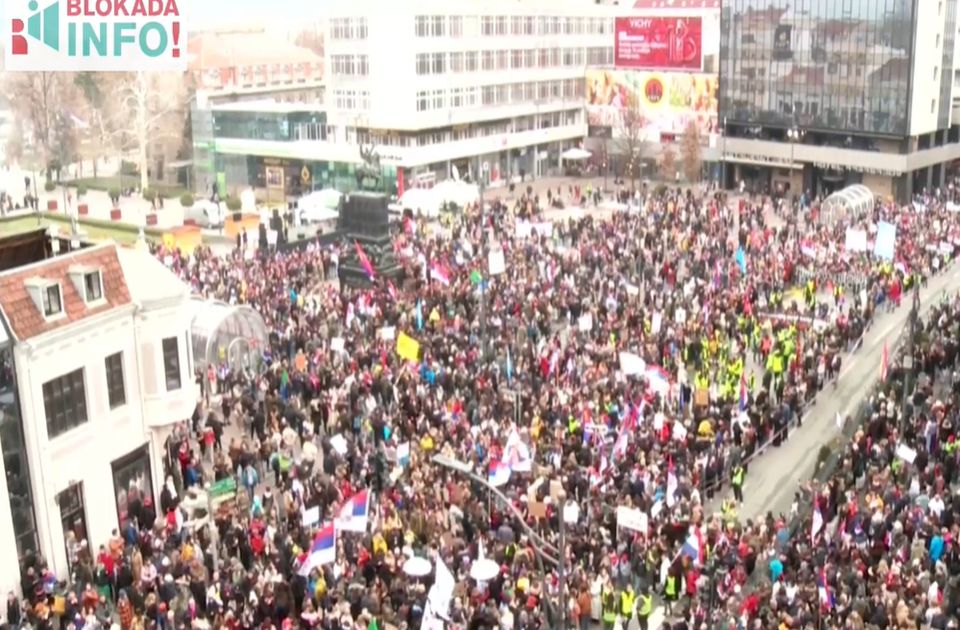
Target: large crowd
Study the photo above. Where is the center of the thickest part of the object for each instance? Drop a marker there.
(617, 370)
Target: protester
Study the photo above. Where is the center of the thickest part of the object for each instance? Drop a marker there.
(631, 360)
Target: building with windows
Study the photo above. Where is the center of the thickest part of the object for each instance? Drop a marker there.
(819, 96)
(438, 85)
(95, 368)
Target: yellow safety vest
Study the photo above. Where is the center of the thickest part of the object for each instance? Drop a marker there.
(646, 606)
(626, 603)
(737, 476)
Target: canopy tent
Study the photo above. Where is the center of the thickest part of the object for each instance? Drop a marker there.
(855, 201)
(575, 154)
(420, 200)
(220, 332)
(456, 191)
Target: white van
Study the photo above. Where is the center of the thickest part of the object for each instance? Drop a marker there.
(206, 213)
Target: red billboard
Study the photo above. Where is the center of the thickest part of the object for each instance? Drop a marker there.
(659, 43)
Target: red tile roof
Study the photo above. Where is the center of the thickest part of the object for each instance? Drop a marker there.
(21, 313)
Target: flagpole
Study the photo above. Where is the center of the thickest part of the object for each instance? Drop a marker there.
(482, 174)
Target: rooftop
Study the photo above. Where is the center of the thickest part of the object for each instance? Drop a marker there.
(23, 317)
(235, 49)
(148, 279)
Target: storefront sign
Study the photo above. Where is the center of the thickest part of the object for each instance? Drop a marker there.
(659, 43)
(751, 157)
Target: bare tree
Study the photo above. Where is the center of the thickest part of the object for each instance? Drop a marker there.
(40, 99)
(152, 103)
(630, 138)
(668, 164)
(690, 152)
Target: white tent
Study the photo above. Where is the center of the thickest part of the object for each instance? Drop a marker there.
(575, 154)
(420, 200)
(458, 192)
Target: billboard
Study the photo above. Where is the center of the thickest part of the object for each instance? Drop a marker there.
(664, 102)
(659, 43)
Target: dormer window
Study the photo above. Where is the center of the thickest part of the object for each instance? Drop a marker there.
(47, 296)
(93, 286)
(88, 281)
(52, 301)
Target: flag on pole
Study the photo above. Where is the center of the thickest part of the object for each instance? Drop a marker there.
(884, 362)
(355, 513)
(323, 550)
(693, 546)
(817, 523)
(440, 274)
(823, 587)
(365, 262)
(499, 474)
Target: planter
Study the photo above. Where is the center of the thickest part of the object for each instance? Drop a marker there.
(115, 214)
(51, 205)
(152, 218)
(83, 210)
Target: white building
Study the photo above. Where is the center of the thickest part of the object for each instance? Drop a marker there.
(96, 368)
(435, 85)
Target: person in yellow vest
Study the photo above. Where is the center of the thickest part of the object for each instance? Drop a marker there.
(644, 608)
(627, 599)
(736, 480)
(671, 590)
(728, 511)
(609, 606)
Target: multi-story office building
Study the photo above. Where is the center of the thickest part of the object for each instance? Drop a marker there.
(819, 95)
(95, 369)
(433, 85)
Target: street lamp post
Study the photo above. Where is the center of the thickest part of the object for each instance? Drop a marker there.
(482, 171)
(794, 135)
(909, 358)
(561, 573)
(539, 545)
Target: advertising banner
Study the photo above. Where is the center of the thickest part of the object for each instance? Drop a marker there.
(659, 43)
(646, 105)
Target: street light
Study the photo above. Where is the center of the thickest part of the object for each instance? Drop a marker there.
(539, 543)
(909, 358)
(561, 574)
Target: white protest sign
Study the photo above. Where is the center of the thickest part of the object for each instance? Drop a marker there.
(339, 444)
(571, 513)
(655, 322)
(856, 240)
(585, 323)
(632, 518)
(631, 364)
(337, 344)
(388, 333)
(906, 453)
(311, 516)
(496, 262)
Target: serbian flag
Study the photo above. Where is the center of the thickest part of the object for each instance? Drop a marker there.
(884, 363)
(817, 523)
(365, 262)
(499, 474)
(620, 446)
(355, 513)
(392, 290)
(671, 484)
(823, 587)
(744, 400)
(440, 274)
(323, 549)
(693, 546)
(658, 379)
(807, 248)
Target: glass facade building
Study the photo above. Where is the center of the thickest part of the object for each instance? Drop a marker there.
(831, 65)
(283, 127)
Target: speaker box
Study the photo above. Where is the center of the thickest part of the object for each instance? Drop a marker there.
(364, 214)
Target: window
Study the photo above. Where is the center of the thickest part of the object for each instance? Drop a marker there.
(436, 98)
(92, 287)
(488, 94)
(528, 25)
(503, 60)
(423, 63)
(470, 61)
(438, 26)
(361, 28)
(486, 25)
(456, 97)
(421, 101)
(455, 25)
(116, 394)
(171, 363)
(516, 25)
(65, 403)
(456, 62)
(516, 58)
(439, 63)
(501, 25)
(488, 60)
(52, 304)
(422, 26)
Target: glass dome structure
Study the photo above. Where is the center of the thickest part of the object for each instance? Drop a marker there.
(855, 200)
(221, 332)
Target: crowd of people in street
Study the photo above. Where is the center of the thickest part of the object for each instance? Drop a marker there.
(611, 374)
